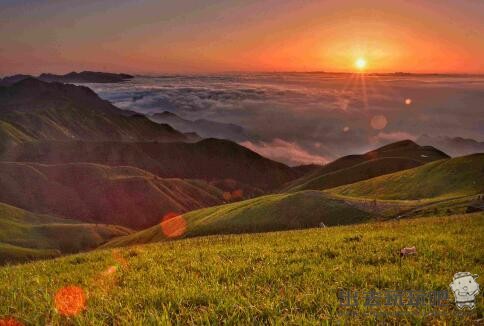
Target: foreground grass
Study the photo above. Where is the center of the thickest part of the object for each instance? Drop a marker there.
(282, 277)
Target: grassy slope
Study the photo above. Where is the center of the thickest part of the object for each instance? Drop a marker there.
(209, 159)
(36, 110)
(349, 169)
(287, 277)
(24, 235)
(96, 193)
(266, 213)
(461, 176)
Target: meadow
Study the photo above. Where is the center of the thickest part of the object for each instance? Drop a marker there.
(290, 277)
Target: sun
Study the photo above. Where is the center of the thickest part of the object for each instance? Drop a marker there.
(360, 63)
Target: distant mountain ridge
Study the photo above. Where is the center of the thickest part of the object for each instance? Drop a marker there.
(454, 146)
(72, 77)
(204, 128)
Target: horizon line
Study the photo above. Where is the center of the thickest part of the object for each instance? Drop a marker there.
(373, 73)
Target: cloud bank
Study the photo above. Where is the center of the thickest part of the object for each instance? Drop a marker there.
(301, 118)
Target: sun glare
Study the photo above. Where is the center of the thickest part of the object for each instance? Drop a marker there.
(360, 63)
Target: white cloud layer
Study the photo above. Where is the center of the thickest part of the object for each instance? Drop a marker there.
(305, 118)
(283, 151)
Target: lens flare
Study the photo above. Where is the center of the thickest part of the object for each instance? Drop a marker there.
(408, 101)
(378, 122)
(110, 270)
(227, 196)
(122, 262)
(70, 301)
(173, 225)
(10, 322)
(238, 194)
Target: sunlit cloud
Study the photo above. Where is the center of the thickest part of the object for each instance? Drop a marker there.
(281, 150)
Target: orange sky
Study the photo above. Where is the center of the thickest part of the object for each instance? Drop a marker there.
(211, 36)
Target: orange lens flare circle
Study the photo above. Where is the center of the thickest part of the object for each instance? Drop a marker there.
(10, 322)
(173, 225)
(227, 196)
(238, 194)
(70, 301)
(378, 122)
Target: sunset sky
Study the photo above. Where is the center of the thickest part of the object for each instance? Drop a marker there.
(192, 36)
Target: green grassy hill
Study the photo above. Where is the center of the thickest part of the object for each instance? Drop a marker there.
(267, 213)
(461, 176)
(25, 235)
(290, 277)
(35, 110)
(349, 169)
(101, 194)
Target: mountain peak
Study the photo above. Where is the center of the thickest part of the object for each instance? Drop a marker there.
(54, 111)
(406, 143)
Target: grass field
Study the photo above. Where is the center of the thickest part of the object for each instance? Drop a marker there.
(289, 277)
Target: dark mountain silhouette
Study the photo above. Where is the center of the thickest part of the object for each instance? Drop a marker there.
(391, 158)
(209, 159)
(10, 80)
(72, 77)
(204, 128)
(33, 110)
(86, 77)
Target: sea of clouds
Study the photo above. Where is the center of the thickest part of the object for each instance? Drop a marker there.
(301, 118)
